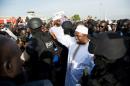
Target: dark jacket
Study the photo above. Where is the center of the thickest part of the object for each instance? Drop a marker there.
(110, 74)
(7, 82)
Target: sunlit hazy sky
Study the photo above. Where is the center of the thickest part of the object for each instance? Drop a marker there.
(113, 9)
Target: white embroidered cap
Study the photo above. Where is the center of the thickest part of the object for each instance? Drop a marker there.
(56, 18)
(82, 29)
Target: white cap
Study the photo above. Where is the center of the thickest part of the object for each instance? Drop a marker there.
(56, 18)
(82, 29)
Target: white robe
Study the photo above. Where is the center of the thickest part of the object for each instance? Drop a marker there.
(83, 59)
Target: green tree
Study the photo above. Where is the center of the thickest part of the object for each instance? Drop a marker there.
(75, 17)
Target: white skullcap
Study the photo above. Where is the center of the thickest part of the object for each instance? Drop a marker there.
(82, 29)
(56, 18)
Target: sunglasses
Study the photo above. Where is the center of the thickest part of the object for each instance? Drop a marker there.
(102, 26)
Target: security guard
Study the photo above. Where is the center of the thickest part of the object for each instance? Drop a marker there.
(40, 49)
(112, 64)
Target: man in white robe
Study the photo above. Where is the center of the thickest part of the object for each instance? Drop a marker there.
(78, 57)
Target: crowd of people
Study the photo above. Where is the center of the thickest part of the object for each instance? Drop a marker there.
(65, 53)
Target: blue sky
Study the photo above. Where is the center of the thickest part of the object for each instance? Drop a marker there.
(113, 9)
